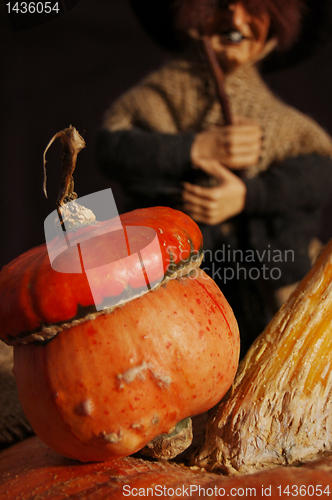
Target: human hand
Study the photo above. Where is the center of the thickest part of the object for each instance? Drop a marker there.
(213, 205)
(235, 146)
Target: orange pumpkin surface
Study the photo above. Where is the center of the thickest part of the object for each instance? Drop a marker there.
(30, 470)
(35, 296)
(111, 380)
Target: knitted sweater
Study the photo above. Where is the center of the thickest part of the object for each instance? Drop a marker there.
(181, 98)
(149, 132)
(145, 145)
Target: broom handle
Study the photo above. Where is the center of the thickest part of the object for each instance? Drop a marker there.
(219, 79)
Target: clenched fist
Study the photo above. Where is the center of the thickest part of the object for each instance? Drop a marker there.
(237, 146)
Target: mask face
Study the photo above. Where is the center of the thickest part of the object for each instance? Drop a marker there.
(237, 35)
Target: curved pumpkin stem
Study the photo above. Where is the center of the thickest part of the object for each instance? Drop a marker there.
(72, 144)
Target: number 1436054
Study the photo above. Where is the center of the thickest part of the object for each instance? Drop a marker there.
(33, 7)
(294, 490)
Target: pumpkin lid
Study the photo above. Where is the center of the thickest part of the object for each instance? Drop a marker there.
(88, 268)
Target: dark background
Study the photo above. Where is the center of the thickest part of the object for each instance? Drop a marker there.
(68, 71)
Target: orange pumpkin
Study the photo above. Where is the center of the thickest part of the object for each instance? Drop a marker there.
(107, 383)
(101, 374)
(30, 470)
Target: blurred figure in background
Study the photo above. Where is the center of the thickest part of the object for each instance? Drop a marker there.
(256, 186)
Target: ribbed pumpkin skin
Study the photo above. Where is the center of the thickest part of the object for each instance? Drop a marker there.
(105, 388)
(33, 294)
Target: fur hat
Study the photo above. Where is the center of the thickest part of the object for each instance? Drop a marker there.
(157, 19)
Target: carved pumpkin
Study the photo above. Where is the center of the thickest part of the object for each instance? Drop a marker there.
(101, 382)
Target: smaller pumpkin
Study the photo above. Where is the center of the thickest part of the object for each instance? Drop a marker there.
(99, 379)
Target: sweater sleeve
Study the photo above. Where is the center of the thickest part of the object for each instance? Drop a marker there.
(299, 182)
(135, 153)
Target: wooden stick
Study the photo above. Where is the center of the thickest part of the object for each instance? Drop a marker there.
(218, 77)
(219, 81)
